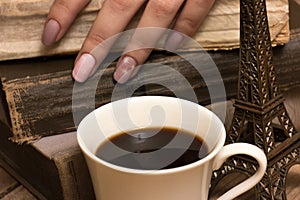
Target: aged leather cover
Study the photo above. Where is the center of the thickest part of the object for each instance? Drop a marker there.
(53, 168)
(40, 104)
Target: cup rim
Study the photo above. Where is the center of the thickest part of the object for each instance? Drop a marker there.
(215, 149)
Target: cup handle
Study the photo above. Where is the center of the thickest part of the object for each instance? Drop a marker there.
(247, 149)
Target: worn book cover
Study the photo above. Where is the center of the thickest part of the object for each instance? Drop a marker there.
(41, 104)
(52, 168)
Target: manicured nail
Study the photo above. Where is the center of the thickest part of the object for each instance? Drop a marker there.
(50, 32)
(83, 67)
(174, 41)
(125, 69)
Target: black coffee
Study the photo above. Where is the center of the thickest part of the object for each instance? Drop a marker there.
(154, 148)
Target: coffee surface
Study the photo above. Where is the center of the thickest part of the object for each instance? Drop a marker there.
(152, 149)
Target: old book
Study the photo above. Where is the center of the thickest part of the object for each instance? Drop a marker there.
(41, 104)
(4, 116)
(21, 24)
(52, 168)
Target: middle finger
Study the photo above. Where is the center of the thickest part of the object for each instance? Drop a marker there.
(158, 13)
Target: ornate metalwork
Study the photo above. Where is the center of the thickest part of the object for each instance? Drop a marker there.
(258, 103)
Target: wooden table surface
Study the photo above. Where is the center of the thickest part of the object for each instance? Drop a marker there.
(10, 189)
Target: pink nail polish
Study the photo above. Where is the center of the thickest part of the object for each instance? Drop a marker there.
(83, 67)
(125, 69)
(50, 32)
(174, 41)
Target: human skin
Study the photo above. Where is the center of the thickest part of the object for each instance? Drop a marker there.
(188, 16)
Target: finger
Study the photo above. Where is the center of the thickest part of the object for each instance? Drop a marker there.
(60, 17)
(188, 22)
(112, 19)
(158, 14)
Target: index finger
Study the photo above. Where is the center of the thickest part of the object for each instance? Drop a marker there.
(61, 15)
(112, 19)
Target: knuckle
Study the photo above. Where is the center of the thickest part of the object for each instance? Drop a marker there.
(138, 47)
(163, 8)
(200, 3)
(189, 23)
(121, 5)
(141, 53)
(139, 43)
(63, 6)
(95, 39)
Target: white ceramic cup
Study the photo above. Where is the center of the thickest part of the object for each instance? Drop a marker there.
(188, 182)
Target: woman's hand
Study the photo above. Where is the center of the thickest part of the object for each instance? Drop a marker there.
(113, 18)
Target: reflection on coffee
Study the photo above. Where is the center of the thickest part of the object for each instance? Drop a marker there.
(153, 148)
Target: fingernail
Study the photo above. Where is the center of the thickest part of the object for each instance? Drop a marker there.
(125, 69)
(50, 32)
(174, 41)
(83, 67)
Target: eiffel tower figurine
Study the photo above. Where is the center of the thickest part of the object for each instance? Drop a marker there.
(258, 104)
